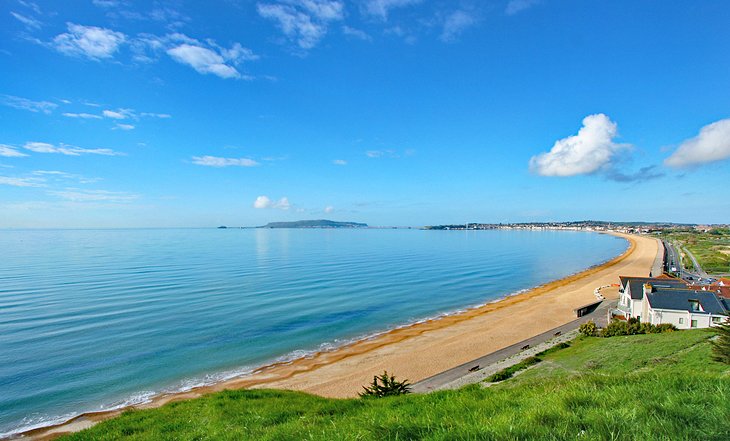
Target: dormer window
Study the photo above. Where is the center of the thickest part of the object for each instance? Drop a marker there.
(694, 305)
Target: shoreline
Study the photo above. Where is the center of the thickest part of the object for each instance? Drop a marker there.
(289, 374)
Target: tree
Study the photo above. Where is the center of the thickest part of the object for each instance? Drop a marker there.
(385, 386)
(721, 345)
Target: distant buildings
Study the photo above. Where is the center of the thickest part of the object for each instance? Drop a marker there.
(667, 300)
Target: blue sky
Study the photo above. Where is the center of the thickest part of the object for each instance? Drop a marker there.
(116, 113)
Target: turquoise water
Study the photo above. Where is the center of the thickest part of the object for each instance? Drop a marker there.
(93, 319)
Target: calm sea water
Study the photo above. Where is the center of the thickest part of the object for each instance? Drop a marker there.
(93, 319)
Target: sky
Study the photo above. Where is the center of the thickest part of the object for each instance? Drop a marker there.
(116, 113)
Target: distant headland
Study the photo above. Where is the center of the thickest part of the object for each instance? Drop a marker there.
(320, 223)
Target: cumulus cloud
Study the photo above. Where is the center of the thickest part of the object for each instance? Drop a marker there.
(88, 41)
(303, 21)
(215, 161)
(205, 57)
(26, 104)
(10, 152)
(455, 24)
(262, 202)
(381, 8)
(42, 147)
(587, 152)
(712, 144)
(339, 162)
(516, 6)
(123, 126)
(203, 60)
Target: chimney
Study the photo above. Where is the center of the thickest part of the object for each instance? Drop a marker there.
(647, 289)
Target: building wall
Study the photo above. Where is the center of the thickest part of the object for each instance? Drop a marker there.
(659, 316)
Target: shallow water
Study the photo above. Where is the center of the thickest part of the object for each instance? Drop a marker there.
(92, 319)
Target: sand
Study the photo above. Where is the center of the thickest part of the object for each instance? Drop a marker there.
(425, 349)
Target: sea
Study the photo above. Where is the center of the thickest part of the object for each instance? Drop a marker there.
(99, 319)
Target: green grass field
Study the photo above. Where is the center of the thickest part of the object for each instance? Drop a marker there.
(711, 249)
(658, 386)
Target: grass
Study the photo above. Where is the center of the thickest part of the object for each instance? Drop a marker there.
(707, 247)
(508, 372)
(649, 387)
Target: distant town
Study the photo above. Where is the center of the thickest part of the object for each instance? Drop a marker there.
(621, 227)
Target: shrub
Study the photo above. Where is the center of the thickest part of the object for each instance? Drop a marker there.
(385, 386)
(615, 328)
(664, 327)
(721, 346)
(589, 329)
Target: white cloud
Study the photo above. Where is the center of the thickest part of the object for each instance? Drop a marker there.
(42, 147)
(124, 126)
(587, 152)
(29, 105)
(214, 161)
(356, 33)
(262, 202)
(89, 41)
(60, 175)
(30, 5)
(21, 182)
(106, 3)
(389, 153)
(10, 152)
(303, 21)
(381, 8)
(81, 115)
(80, 195)
(515, 6)
(205, 58)
(329, 209)
(119, 113)
(29, 22)
(455, 24)
(339, 162)
(156, 115)
(712, 144)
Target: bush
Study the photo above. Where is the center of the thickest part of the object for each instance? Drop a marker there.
(386, 386)
(633, 326)
(615, 328)
(589, 329)
(721, 346)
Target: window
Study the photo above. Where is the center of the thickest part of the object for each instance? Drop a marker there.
(694, 323)
(716, 319)
(681, 321)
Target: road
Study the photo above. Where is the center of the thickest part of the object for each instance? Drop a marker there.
(599, 316)
(674, 260)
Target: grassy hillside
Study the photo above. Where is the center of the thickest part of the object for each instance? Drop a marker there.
(659, 386)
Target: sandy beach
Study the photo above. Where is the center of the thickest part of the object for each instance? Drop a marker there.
(425, 349)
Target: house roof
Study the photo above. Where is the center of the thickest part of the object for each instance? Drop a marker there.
(636, 284)
(680, 300)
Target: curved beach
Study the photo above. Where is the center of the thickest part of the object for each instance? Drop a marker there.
(427, 348)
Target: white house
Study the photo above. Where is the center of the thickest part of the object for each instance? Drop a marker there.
(631, 292)
(658, 301)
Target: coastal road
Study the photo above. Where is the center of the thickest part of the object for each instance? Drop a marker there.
(599, 316)
(674, 260)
